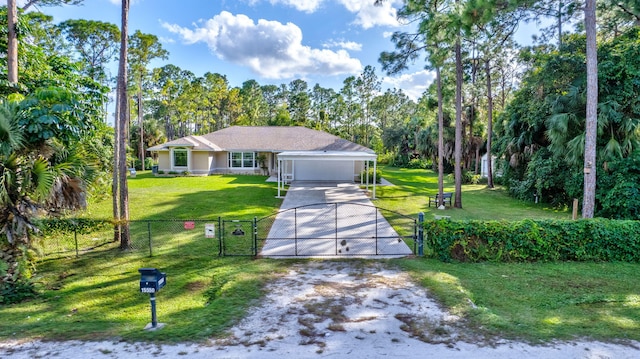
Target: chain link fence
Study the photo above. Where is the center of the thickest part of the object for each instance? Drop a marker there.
(75, 237)
(345, 229)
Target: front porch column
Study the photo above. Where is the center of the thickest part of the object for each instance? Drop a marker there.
(374, 178)
(279, 178)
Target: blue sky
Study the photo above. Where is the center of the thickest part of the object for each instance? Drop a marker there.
(271, 41)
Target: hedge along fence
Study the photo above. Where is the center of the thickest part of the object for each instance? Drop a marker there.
(533, 240)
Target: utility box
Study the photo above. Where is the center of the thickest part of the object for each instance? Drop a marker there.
(151, 280)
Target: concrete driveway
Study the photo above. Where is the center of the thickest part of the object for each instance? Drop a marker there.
(324, 219)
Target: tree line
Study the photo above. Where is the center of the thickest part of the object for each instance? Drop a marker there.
(554, 113)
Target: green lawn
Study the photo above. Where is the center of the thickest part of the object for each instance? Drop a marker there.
(412, 189)
(538, 301)
(96, 296)
(197, 197)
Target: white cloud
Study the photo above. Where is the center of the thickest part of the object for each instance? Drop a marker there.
(269, 48)
(347, 45)
(414, 84)
(368, 15)
(387, 34)
(308, 6)
(166, 40)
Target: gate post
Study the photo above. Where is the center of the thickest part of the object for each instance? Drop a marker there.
(421, 233)
(335, 219)
(255, 236)
(220, 234)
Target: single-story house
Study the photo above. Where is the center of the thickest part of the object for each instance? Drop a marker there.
(288, 152)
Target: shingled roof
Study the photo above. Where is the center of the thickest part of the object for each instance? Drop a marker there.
(264, 139)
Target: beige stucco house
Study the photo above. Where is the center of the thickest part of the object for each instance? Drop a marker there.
(290, 153)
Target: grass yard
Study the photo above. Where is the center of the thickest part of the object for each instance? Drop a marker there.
(198, 197)
(412, 189)
(96, 296)
(538, 301)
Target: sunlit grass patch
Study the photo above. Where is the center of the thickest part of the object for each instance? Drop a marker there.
(538, 301)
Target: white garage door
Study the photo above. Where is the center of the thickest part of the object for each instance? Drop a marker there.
(323, 170)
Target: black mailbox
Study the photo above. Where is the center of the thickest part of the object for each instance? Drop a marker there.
(151, 280)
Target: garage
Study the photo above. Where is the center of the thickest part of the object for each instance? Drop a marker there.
(336, 166)
(322, 170)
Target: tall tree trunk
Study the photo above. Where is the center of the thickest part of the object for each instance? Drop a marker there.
(116, 170)
(124, 115)
(141, 124)
(12, 42)
(440, 139)
(503, 91)
(458, 136)
(588, 202)
(472, 113)
(487, 68)
(560, 5)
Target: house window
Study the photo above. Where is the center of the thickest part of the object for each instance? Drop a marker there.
(180, 157)
(242, 160)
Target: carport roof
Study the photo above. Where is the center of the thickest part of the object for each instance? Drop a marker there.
(327, 155)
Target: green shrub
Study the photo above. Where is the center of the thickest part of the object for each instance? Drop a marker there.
(148, 163)
(547, 178)
(418, 163)
(16, 292)
(16, 284)
(160, 172)
(363, 175)
(467, 177)
(137, 164)
(386, 158)
(618, 189)
(400, 160)
(529, 240)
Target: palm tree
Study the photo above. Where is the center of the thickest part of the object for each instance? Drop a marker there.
(34, 178)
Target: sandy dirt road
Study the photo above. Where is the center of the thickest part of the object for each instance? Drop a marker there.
(335, 309)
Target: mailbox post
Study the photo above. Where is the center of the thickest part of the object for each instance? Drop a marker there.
(151, 281)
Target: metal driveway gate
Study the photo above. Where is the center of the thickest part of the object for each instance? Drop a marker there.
(336, 229)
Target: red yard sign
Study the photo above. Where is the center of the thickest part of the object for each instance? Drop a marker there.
(189, 225)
